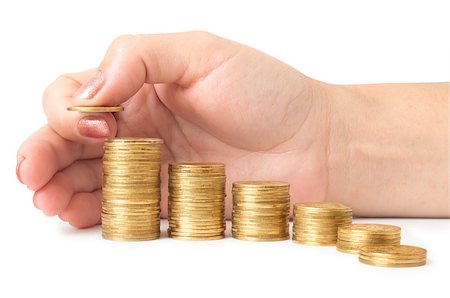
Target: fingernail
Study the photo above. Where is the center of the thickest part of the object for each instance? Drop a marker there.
(93, 127)
(91, 86)
(19, 163)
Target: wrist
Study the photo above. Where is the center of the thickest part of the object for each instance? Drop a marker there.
(388, 148)
(343, 105)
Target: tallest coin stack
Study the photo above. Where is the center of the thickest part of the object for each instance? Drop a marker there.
(131, 189)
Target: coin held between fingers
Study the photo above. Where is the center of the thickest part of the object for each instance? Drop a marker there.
(93, 109)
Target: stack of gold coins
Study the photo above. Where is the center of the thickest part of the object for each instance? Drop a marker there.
(260, 210)
(131, 189)
(317, 223)
(197, 201)
(393, 255)
(352, 237)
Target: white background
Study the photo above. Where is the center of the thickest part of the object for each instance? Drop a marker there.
(335, 41)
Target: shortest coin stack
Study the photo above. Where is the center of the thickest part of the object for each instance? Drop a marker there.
(393, 255)
(260, 210)
(352, 237)
(317, 223)
(197, 201)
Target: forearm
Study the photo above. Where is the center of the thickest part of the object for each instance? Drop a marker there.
(388, 150)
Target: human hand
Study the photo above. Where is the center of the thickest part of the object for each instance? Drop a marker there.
(209, 98)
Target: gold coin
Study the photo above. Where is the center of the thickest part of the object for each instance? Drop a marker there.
(92, 109)
(312, 242)
(322, 207)
(393, 255)
(122, 237)
(195, 238)
(354, 247)
(133, 141)
(391, 261)
(260, 238)
(369, 229)
(260, 184)
(382, 264)
(394, 251)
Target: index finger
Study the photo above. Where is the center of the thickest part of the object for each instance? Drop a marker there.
(79, 127)
(133, 60)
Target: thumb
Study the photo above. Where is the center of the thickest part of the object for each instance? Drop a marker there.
(133, 60)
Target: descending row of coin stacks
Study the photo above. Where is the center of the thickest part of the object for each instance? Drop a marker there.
(317, 223)
(260, 210)
(131, 189)
(352, 237)
(393, 255)
(197, 201)
(131, 206)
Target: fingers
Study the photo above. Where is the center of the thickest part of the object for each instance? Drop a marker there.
(84, 210)
(131, 61)
(81, 176)
(45, 153)
(65, 185)
(80, 127)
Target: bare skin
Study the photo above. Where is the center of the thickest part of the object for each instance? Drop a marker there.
(212, 99)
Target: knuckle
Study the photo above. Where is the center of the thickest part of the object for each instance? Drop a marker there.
(46, 97)
(204, 36)
(122, 42)
(49, 91)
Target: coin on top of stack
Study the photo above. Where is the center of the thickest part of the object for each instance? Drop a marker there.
(260, 210)
(317, 223)
(393, 255)
(197, 201)
(352, 237)
(131, 189)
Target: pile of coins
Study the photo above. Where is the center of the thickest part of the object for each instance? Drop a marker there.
(131, 206)
(131, 189)
(352, 237)
(197, 201)
(393, 256)
(260, 210)
(317, 223)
